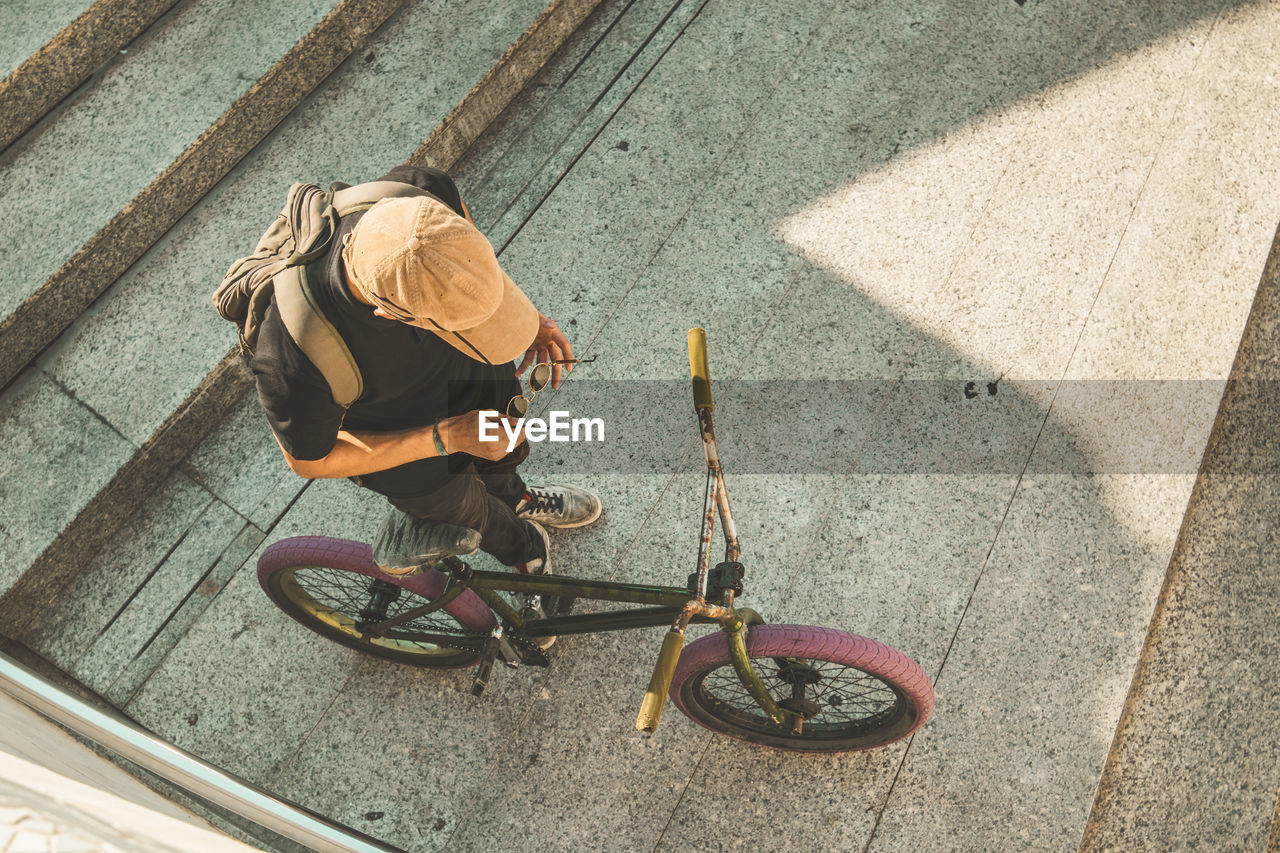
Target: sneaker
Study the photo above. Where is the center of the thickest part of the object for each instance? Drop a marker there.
(537, 566)
(559, 506)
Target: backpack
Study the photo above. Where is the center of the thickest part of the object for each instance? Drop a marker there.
(278, 267)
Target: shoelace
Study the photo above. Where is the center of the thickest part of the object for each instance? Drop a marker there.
(544, 501)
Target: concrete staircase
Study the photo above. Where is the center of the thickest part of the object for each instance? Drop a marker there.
(114, 365)
(786, 174)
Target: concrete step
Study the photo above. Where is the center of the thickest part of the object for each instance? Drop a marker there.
(103, 32)
(139, 377)
(71, 179)
(30, 25)
(200, 90)
(1193, 764)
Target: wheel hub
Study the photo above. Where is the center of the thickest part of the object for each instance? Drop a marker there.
(381, 596)
(797, 672)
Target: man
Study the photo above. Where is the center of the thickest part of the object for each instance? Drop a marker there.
(416, 293)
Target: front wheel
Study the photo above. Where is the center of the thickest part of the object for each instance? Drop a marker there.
(853, 692)
(333, 587)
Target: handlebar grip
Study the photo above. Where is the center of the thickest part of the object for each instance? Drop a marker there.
(699, 367)
(660, 682)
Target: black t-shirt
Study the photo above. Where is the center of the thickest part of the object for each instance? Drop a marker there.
(411, 376)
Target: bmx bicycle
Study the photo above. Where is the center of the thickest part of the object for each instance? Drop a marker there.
(410, 599)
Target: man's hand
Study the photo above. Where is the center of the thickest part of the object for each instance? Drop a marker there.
(461, 434)
(549, 345)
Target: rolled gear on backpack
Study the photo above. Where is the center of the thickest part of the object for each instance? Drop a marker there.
(278, 269)
(299, 234)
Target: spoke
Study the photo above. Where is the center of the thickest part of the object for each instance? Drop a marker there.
(342, 596)
(859, 698)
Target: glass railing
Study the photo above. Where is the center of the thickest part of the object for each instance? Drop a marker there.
(243, 804)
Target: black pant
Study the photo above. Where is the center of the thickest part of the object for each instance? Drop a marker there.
(482, 495)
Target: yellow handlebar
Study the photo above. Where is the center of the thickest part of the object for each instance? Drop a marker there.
(660, 682)
(699, 368)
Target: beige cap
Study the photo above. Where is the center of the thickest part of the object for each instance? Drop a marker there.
(427, 266)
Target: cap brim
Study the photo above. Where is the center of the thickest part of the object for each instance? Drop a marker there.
(506, 335)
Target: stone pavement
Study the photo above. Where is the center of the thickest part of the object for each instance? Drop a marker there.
(1025, 240)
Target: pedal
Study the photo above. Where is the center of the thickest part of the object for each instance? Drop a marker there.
(483, 671)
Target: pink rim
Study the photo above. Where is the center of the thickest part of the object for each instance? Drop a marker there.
(472, 613)
(809, 642)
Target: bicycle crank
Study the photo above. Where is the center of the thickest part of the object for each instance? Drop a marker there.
(512, 649)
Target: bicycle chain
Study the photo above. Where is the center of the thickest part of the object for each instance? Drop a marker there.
(460, 646)
(530, 653)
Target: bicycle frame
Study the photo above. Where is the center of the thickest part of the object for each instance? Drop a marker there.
(667, 601)
(677, 607)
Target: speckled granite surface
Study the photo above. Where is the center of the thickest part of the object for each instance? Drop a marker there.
(1194, 762)
(994, 217)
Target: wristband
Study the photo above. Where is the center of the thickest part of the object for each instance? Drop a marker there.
(435, 436)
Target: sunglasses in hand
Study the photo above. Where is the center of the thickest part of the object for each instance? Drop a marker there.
(539, 378)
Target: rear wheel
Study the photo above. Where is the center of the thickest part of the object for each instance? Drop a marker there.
(333, 587)
(853, 692)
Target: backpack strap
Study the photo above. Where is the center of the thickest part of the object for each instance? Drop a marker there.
(297, 304)
(316, 336)
(347, 200)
